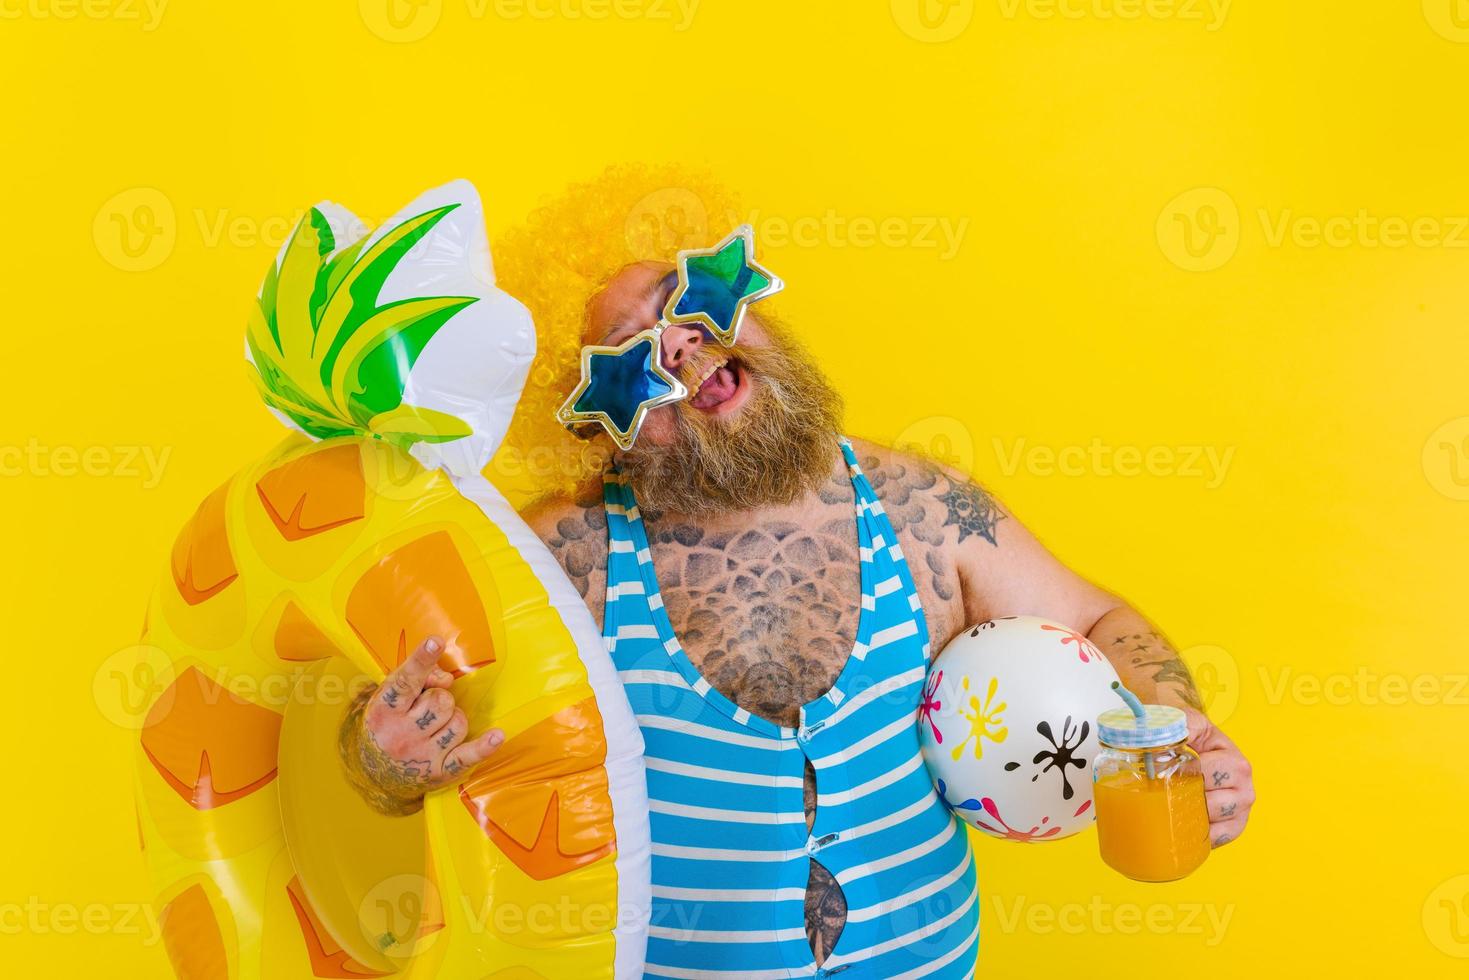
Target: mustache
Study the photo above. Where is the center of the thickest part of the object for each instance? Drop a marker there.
(779, 446)
(704, 362)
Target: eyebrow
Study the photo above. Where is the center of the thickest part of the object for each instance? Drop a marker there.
(669, 280)
(650, 292)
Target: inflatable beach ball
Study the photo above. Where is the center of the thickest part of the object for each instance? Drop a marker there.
(1008, 724)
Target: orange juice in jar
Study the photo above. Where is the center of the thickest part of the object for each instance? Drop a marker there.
(1152, 822)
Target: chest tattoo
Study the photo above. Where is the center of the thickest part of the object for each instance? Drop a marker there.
(767, 613)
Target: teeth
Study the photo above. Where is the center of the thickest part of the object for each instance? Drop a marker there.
(714, 365)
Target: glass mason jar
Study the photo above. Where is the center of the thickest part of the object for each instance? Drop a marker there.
(1152, 822)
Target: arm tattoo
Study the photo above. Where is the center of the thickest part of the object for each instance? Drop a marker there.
(972, 509)
(389, 787)
(1151, 652)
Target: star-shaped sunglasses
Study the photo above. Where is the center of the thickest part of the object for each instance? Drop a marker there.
(620, 384)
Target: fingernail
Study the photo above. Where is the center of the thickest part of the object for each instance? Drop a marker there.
(432, 644)
(496, 737)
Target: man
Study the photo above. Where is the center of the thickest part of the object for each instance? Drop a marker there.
(725, 554)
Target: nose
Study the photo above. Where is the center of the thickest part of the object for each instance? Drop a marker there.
(680, 344)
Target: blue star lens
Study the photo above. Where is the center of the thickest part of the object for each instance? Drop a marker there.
(621, 383)
(717, 284)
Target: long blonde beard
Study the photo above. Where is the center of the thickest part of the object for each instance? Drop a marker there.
(778, 447)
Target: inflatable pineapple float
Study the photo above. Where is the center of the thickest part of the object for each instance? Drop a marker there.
(397, 363)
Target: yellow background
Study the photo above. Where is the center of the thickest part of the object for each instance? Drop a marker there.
(1136, 183)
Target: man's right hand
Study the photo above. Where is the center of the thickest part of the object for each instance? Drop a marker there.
(408, 736)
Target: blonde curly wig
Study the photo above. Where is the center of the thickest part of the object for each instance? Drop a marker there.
(554, 262)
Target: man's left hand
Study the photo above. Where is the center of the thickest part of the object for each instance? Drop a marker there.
(1229, 785)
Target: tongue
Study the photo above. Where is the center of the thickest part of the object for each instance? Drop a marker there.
(718, 389)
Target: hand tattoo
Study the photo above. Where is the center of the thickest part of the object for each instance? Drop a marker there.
(388, 786)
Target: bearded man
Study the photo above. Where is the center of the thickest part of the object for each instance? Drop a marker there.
(771, 593)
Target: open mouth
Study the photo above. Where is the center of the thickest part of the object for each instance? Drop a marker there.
(720, 387)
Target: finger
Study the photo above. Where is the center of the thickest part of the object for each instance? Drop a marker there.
(1226, 805)
(453, 731)
(431, 710)
(405, 683)
(439, 677)
(472, 753)
(1224, 770)
(1223, 833)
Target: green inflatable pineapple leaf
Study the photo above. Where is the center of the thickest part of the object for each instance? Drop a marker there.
(328, 356)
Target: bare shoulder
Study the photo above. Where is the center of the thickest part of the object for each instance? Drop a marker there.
(927, 500)
(574, 528)
(933, 509)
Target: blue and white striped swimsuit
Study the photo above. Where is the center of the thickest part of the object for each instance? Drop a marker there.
(731, 852)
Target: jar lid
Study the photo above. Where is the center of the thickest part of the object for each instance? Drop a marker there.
(1160, 725)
